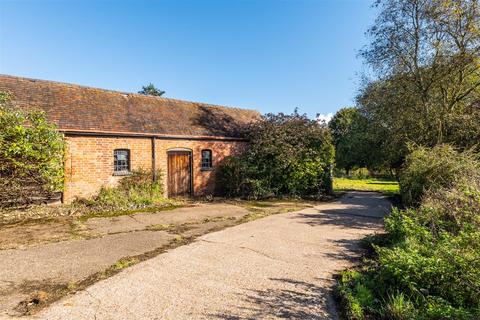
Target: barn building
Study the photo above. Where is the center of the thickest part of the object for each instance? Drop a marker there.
(111, 133)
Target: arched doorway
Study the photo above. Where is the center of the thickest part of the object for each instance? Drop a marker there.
(179, 181)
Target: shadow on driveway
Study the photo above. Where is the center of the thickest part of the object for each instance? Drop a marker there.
(359, 211)
(300, 301)
(354, 218)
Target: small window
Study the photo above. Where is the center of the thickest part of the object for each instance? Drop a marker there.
(207, 159)
(121, 161)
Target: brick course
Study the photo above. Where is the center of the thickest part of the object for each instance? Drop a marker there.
(89, 161)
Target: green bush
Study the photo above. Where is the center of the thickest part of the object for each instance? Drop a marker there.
(234, 179)
(431, 169)
(288, 155)
(31, 156)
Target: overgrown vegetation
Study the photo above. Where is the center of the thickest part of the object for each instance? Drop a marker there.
(31, 156)
(288, 155)
(428, 265)
(133, 192)
(433, 169)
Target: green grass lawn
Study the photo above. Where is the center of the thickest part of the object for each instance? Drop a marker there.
(389, 187)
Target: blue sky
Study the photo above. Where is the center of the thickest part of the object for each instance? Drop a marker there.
(269, 55)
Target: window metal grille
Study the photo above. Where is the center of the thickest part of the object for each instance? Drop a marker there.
(207, 162)
(121, 161)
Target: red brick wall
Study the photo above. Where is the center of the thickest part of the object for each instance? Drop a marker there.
(89, 163)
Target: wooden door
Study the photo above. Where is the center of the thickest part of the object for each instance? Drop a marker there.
(179, 174)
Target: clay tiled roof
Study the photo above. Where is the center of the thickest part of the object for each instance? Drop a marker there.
(79, 108)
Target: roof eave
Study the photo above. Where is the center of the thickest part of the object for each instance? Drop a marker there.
(77, 132)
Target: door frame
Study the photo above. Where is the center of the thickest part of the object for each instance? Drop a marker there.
(190, 154)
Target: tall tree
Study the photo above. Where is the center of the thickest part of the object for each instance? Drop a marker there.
(151, 90)
(426, 56)
(354, 145)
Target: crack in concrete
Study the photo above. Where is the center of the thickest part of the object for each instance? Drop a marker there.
(245, 248)
(134, 219)
(262, 254)
(208, 241)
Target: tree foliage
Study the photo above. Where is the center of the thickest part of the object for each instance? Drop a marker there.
(352, 140)
(426, 55)
(151, 90)
(31, 155)
(287, 155)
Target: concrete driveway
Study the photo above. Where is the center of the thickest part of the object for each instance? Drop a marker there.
(277, 267)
